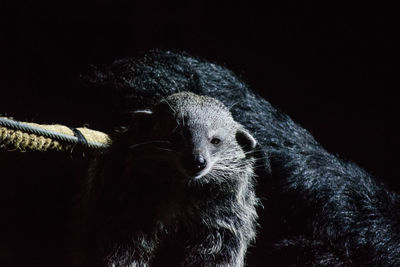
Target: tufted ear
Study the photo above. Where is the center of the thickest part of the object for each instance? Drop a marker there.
(139, 122)
(245, 140)
(132, 117)
(141, 113)
(142, 118)
(253, 149)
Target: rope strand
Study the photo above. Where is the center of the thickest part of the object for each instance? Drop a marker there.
(15, 135)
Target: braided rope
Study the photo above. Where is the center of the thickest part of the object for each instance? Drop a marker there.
(22, 136)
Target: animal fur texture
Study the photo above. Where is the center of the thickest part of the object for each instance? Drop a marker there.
(176, 188)
(317, 208)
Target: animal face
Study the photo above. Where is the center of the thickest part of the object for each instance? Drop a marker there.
(198, 134)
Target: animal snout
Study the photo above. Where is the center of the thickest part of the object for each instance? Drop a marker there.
(199, 162)
(195, 163)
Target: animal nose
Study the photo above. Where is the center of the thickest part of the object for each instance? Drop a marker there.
(199, 162)
(194, 162)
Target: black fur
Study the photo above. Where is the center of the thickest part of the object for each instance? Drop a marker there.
(318, 208)
(147, 206)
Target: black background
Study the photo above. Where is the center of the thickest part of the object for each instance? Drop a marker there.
(329, 65)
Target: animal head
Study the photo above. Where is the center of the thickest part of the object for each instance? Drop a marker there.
(198, 134)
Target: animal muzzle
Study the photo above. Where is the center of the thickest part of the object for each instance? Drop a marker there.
(195, 163)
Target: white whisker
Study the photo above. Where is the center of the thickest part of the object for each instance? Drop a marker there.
(164, 149)
(149, 142)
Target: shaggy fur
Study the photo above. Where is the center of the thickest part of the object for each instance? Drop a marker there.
(318, 208)
(175, 188)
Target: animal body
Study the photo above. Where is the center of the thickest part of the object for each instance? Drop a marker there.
(175, 188)
(317, 208)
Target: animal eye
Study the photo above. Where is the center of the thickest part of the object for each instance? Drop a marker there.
(215, 141)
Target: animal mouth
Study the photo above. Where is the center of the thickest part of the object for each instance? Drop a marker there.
(193, 174)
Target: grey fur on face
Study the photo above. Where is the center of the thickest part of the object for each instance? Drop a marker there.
(202, 132)
(176, 187)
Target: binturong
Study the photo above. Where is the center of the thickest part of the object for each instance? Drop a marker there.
(176, 188)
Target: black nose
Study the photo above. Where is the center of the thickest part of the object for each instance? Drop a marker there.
(195, 163)
(199, 162)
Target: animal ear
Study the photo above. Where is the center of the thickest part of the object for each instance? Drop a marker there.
(138, 124)
(254, 149)
(142, 120)
(130, 117)
(142, 117)
(245, 140)
(142, 112)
